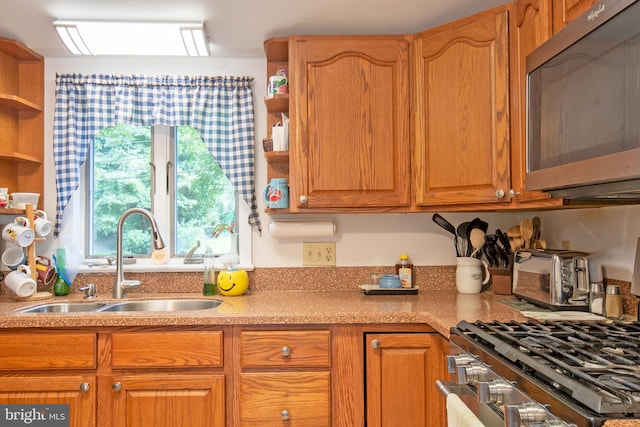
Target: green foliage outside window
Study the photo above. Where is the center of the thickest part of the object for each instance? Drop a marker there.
(122, 175)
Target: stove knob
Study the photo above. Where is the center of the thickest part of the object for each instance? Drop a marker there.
(471, 373)
(524, 415)
(496, 391)
(455, 360)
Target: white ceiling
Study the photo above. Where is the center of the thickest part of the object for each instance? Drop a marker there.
(236, 28)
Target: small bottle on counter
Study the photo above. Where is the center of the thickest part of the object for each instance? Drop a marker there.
(613, 302)
(596, 298)
(404, 269)
(210, 283)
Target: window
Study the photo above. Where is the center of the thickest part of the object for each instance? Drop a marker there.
(169, 171)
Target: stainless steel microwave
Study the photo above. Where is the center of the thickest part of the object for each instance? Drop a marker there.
(583, 107)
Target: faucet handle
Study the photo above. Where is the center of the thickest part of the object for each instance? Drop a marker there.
(128, 284)
(89, 291)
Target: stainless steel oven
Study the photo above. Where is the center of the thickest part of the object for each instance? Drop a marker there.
(553, 373)
(494, 400)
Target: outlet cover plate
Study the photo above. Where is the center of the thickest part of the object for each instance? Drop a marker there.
(318, 254)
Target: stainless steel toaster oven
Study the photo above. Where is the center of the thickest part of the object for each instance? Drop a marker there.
(553, 278)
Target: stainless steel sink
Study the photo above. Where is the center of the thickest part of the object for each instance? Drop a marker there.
(124, 306)
(162, 305)
(64, 307)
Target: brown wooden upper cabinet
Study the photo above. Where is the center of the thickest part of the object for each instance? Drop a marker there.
(565, 11)
(349, 123)
(460, 91)
(433, 120)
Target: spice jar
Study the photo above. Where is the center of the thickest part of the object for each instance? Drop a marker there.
(596, 298)
(613, 302)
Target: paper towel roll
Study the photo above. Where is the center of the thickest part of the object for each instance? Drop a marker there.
(302, 228)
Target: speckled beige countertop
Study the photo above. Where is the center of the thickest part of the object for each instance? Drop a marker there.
(440, 309)
(306, 295)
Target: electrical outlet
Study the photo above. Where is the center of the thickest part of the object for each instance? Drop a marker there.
(319, 254)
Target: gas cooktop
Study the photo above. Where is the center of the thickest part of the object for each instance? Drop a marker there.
(595, 363)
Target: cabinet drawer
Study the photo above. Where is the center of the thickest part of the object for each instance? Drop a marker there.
(36, 351)
(285, 348)
(167, 349)
(285, 399)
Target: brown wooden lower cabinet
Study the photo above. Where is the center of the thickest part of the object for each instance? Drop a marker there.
(288, 399)
(161, 400)
(77, 391)
(401, 371)
(342, 375)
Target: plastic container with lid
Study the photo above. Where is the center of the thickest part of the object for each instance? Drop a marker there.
(404, 268)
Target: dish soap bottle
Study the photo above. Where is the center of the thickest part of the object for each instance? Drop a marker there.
(210, 286)
(404, 269)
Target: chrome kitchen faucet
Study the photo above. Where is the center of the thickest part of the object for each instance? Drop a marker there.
(120, 285)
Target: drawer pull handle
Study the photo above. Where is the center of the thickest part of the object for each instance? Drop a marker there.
(116, 386)
(375, 344)
(286, 351)
(84, 387)
(284, 414)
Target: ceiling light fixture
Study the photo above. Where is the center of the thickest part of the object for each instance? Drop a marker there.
(133, 38)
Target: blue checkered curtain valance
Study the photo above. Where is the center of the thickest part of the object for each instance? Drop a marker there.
(219, 108)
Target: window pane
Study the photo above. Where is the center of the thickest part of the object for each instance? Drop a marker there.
(121, 180)
(205, 198)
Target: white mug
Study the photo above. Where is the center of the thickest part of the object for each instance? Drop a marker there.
(41, 224)
(19, 232)
(469, 275)
(20, 282)
(13, 257)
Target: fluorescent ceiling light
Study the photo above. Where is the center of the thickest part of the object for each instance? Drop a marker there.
(133, 38)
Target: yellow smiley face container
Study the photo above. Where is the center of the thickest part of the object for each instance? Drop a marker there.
(233, 282)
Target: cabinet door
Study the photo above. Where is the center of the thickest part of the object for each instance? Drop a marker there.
(530, 26)
(565, 11)
(461, 121)
(79, 392)
(349, 132)
(401, 371)
(169, 400)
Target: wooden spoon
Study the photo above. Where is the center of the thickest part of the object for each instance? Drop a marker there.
(536, 227)
(526, 230)
(477, 239)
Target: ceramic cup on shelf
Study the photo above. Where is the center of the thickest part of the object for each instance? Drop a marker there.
(276, 194)
(19, 232)
(469, 275)
(47, 273)
(20, 282)
(41, 223)
(13, 257)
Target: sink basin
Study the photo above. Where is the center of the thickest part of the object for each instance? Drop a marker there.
(161, 305)
(64, 307)
(128, 306)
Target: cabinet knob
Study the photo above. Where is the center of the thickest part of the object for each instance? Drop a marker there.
(513, 193)
(116, 386)
(84, 387)
(303, 199)
(375, 344)
(500, 193)
(284, 414)
(285, 351)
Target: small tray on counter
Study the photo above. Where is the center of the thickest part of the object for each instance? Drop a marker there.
(377, 290)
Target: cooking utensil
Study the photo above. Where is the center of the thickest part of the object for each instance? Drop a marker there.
(537, 223)
(477, 239)
(463, 238)
(504, 241)
(489, 252)
(492, 242)
(438, 219)
(526, 231)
